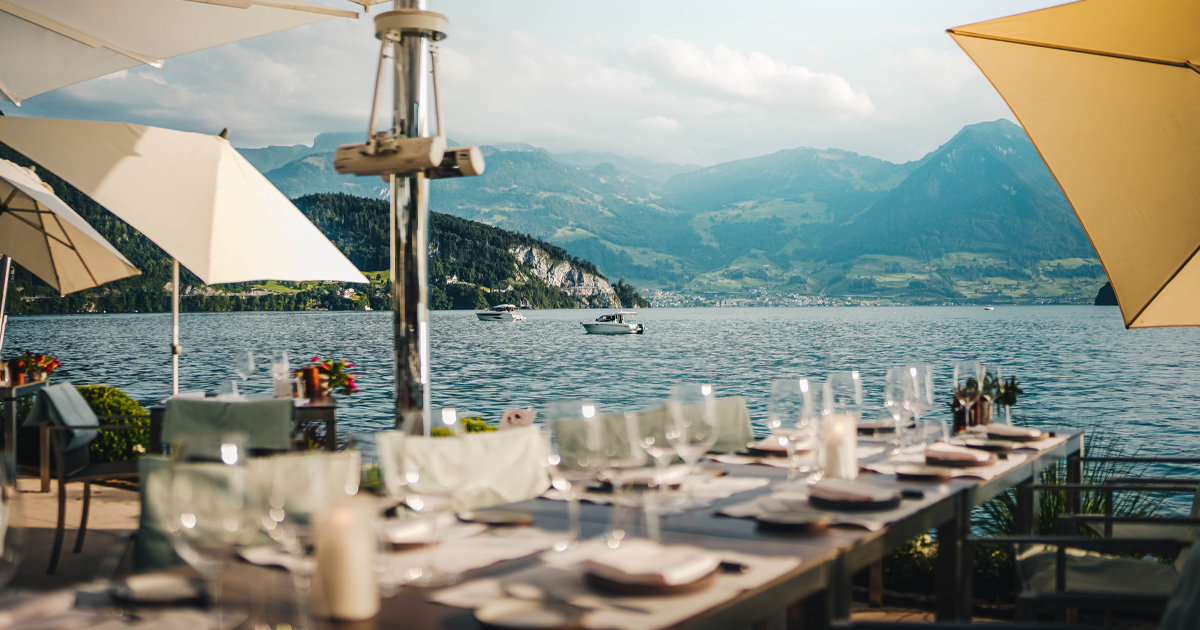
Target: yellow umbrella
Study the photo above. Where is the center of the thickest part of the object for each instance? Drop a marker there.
(1109, 92)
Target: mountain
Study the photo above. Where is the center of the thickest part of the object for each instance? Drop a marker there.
(644, 168)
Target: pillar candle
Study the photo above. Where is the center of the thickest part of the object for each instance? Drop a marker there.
(344, 586)
(838, 447)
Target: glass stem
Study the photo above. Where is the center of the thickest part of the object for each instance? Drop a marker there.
(572, 517)
(303, 588)
(651, 507)
(616, 528)
(793, 459)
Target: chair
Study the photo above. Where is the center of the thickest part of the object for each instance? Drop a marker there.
(63, 413)
(153, 549)
(501, 466)
(1110, 526)
(267, 424)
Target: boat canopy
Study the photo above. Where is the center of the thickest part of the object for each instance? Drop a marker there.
(504, 307)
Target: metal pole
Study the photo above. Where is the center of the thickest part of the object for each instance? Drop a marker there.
(4, 299)
(175, 349)
(410, 237)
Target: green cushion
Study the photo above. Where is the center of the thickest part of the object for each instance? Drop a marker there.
(63, 406)
(266, 424)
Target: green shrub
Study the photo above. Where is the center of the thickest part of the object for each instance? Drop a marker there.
(120, 445)
(472, 424)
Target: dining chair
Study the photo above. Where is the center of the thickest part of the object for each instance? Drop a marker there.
(267, 424)
(71, 426)
(501, 466)
(153, 549)
(1109, 525)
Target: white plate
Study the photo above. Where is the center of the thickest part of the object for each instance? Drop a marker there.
(517, 614)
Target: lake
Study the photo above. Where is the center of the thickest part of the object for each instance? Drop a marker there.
(1077, 364)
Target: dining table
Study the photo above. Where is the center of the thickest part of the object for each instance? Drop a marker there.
(808, 573)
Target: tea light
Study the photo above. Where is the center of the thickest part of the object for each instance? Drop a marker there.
(840, 441)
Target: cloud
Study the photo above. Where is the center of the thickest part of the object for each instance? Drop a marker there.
(750, 76)
(661, 124)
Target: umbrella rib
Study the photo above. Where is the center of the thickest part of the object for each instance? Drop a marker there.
(71, 244)
(1085, 51)
(34, 225)
(87, 39)
(1164, 285)
(309, 9)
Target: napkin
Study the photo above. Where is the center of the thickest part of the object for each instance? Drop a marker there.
(769, 444)
(652, 564)
(948, 452)
(672, 476)
(846, 490)
(421, 529)
(1004, 430)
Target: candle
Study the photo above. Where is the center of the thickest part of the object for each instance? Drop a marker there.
(344, 586)
(838, 447)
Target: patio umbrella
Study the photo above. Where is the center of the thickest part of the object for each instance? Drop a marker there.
(192, 194)
(44, 235)
(49, 44)
(1109, 92)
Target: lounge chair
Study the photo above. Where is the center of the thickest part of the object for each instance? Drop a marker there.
(65, 415)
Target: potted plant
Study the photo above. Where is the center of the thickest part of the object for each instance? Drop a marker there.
(39, 367)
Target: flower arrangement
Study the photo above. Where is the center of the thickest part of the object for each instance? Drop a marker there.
(333, 374)
(470, 424)
(39, 366)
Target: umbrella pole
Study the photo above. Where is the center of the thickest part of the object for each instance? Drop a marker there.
(4, 299)
(175, 349)
(410, 237)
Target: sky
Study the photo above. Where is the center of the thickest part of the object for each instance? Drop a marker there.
(683, 81)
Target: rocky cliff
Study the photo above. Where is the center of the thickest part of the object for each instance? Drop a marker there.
(588, 289)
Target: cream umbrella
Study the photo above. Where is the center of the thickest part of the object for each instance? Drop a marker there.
(47, 237)
(192, 194)
(1109, 92)
(49, 44)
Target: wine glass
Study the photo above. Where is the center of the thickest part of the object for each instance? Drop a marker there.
(621, 452)
(431, 477)
(294, 498)
(692, 427)
(243, 365)
(655, 443)
(968, 389)
(281, 374)
(789, 411)
(921, 402)
(213, 507)
(993, 392)
(574, 440)
(898, 393)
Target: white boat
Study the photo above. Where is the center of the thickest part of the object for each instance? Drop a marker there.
(989, 308)
(500, 313)
(619, 323)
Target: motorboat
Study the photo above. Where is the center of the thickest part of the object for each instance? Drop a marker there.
(989, 308)
(500, 313)
(619, 323)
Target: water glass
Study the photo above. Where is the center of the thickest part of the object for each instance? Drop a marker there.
(993, 392)
(295, 498)
(281, 374)
(655, 443)
(574, 440)
(431, 480)
(621, 453)
(898, 393)
(213, 508)
(921, 402)
(692, 421)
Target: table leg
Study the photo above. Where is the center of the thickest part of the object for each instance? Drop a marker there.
(1074, 476)
(952, 585)
(841, 585)
(10, 435)
(44, 455)
(875, 591)
(331, 441)
(814, 612)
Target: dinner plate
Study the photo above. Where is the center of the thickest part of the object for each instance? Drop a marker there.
(959, 463)
(159, 590)
(879, 426)
(855, 506)
(497, 518)
(799, 522)
(1018, 438)
(622, 588)
(919, 472)
(515, 614)
(993, 446)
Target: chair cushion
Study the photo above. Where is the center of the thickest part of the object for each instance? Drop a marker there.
(489, 468)
(1183, 608)
(733, 418)
(1094, 573)
(63, 406)
(266, 423)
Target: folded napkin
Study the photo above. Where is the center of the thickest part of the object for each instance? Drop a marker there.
(1005, 430)
(846, 490)
(948, 452)
(672, 476)
(649, 563)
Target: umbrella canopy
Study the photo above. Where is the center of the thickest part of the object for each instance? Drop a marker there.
(49, 44)
(46, 237)
(1109, 92)
(192, 194)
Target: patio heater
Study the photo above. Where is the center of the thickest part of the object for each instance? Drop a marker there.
(407, 155)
